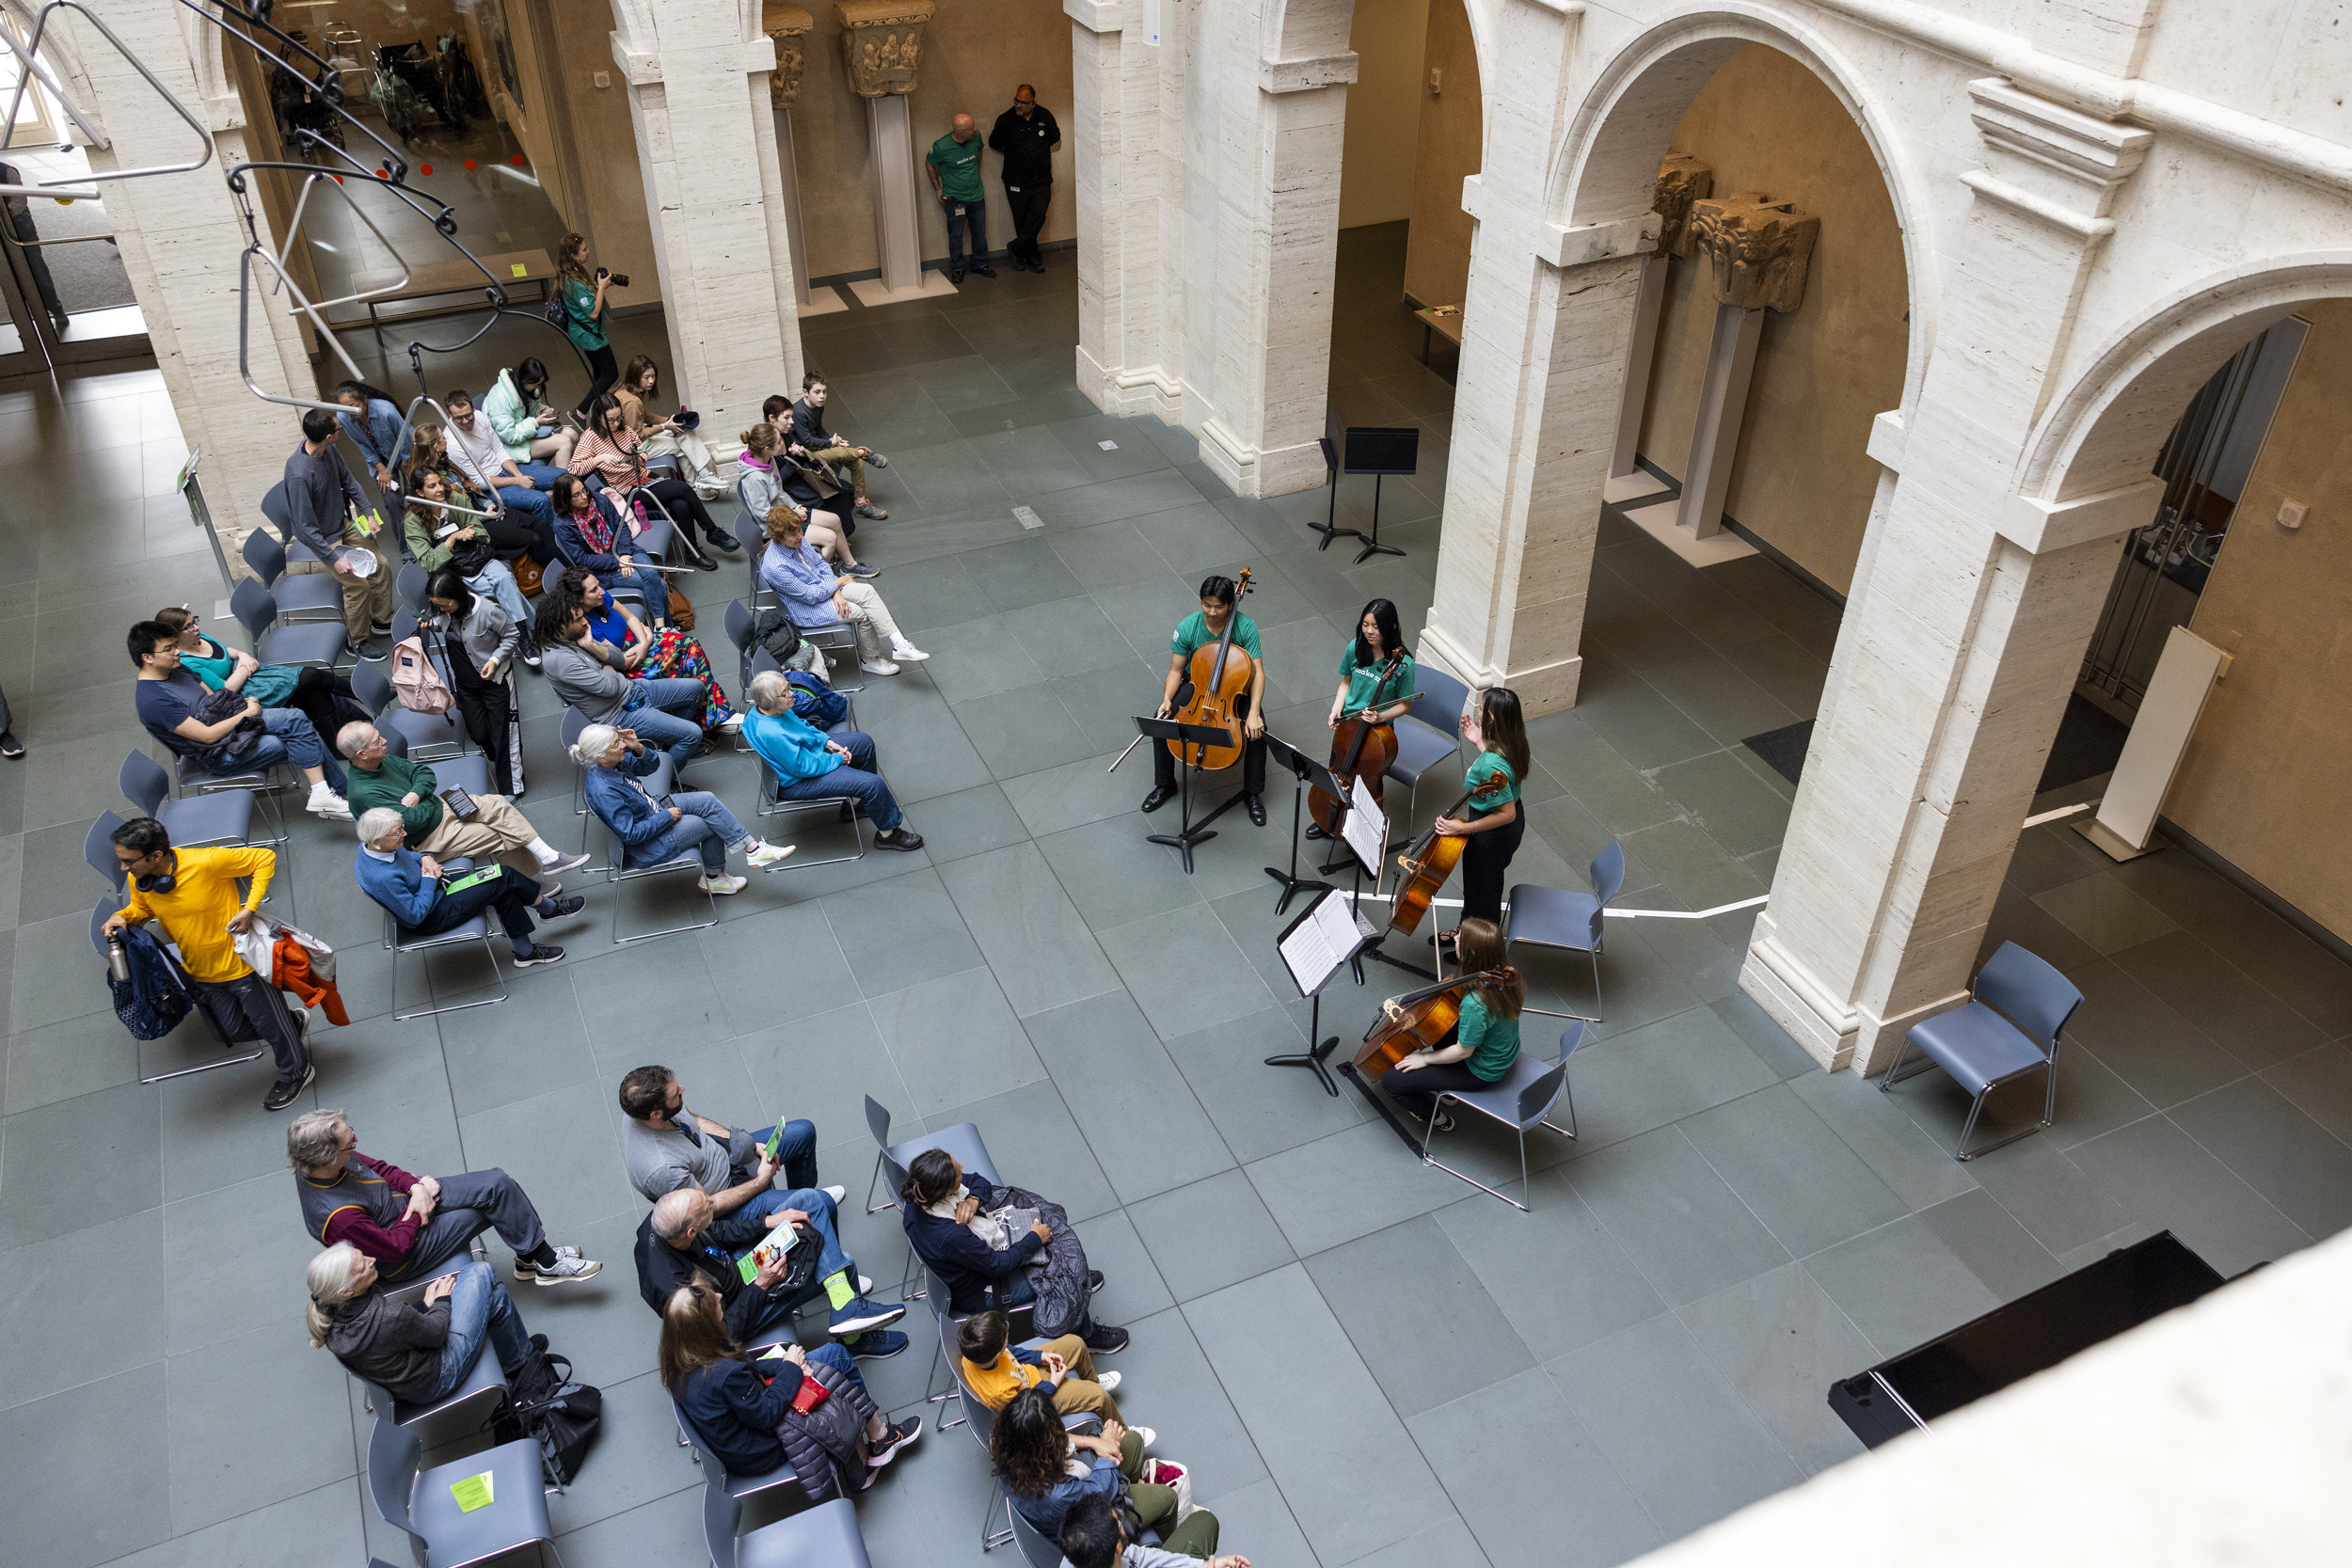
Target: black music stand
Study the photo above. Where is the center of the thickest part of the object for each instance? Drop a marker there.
(1311, 985)
(1196, 739)
(1375, 450)
(1305, 771)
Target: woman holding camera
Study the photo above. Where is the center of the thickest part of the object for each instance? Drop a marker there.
(582, 293)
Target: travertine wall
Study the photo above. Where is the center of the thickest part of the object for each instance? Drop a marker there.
(1447, 149)
(1383, 108)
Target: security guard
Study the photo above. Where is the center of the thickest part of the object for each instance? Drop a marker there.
(1025, 136)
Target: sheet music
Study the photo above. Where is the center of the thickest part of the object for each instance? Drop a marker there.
(1320, 943)
(1365, 828)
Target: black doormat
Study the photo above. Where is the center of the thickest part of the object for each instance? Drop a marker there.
(2089, 742)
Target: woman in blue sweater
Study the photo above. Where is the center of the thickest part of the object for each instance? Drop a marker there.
(810, 763)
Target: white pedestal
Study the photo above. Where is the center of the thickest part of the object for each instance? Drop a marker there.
(1660, 522)
(1625, 489)
(899, 241)
(1715, 434)
(877, 291)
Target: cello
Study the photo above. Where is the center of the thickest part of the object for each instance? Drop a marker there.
(1431, 861)
(1357, 748)
(1219, 682)
(1417, 1022)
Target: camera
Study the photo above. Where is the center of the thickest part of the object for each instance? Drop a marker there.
(618, 280)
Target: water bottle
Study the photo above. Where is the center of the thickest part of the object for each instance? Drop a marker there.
(118, 962)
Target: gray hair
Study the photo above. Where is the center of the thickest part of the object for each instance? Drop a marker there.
(769, 691)
(594, 742)
(328, 1278)
(352, 736)
(375, 822)
(310, 1139)
(673, 1212)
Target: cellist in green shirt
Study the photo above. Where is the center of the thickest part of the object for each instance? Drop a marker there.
(1370, 688)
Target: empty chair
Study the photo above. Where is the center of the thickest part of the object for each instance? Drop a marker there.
(420, 1502)
(1980, 1049)
(825, 1536)
(98, 847)
(722, 1507)
(963, 1140)
(1430, 732)
(221, 813)
(319, 643)
(408, 586)
(399, 940)
(426, 737)
(1521, 1099)
(274, 511)
(1557, 917)
(308, 596)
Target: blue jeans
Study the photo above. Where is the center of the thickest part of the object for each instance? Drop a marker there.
(534, 502)
(706, 826)
(664, 713)
(975, 219)
(498, 580)
(289, 737)
(652, 587)
(542, 476)
(818, 1206)
(795, 1153)
(479, 1308)
(856, 777)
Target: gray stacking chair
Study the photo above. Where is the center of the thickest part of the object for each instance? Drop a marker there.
(485, 1387)
(418, 1501)
(99, 849)
(319, 643)
(426, 737)
(305, 597)
(1981, 1049)
(1559, 918)
(399, 940)
(98, 918)
(825, 1536)
(1429, 733)
(1521, 1099)
(617, 870)
(724, 1497)
(891, 1160)
(192, 822)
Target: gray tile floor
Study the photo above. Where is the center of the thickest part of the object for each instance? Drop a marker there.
(1646, 1352)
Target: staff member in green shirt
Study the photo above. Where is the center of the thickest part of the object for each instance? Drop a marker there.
(954, 164)
(1484, 1041)
(1364, 690)
(582, 293)
(1495, 823)
(1203, 627)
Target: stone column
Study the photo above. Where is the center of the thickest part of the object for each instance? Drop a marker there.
(1972, 604)
(1681, 181)
(180, 236)
(787, 29)
(882, 41)
(699, 99)
(1130, 196)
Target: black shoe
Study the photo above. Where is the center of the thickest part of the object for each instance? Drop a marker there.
(1256, 808)
(1315, 831)
(1094, 1279)
(724, 541)
(983, 269)
(1037, 262)
(898, 838)
(283, 1095)
(369, 650)
(955, 274)
(1160, 796)
(701, 562)
(1107, 1341)
(381, 628)
(542, 952)
(9, 745)
(561, 908)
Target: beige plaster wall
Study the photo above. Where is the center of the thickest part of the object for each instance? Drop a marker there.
(1802, 482)
(2267, 781)
(1437, 253)
(1384, 110)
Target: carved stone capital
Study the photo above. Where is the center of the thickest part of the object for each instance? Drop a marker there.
(789, 26)
(883, 42)
(1681, 180)
(1761, 250)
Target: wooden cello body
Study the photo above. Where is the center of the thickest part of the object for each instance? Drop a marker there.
(1416, 1022)
(1358, 749)
(1219, 681)
(1428, 863)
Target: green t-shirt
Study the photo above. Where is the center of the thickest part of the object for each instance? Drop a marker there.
(959, 166)
(1494, 1042)
(1193, 632)
(1364, 690)
(581, 324)
(1490, 765)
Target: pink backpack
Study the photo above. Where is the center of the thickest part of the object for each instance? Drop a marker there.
(414, 682)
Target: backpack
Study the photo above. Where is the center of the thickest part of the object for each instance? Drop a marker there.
(545, 1403)
(417, 684)
(156, 997)
(776, 633)
(815, 702)
(558, 316)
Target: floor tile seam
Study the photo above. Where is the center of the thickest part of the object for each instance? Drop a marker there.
(694, 1484)
(1225, 1391)
(2217, 1159)
(1715, 1366)
(2226, 961)
(2116, 1067)
(906, 1091)
(1628, 1481)
(1609, 1230)
(1717, 1171)
(1806, 1264)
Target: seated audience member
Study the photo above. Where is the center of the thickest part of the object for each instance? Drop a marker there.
(1094, 1536)
(418, 1352)
(595, 534)
(249, 740)
(481, 643)
(665, 436)
(480, 457)
(584, 677)
(376, 426)
(329, 513)
(527, 428)
(742, 1408)
(497, 831)
(412, 1225)
(1033, 1454)
(683, 1240)
(610, 451)
(761, 480)
(439, 538)
(813, 595)
(818, 489)
(656, 832)
(411, 888)
(641, 652)
(322, 696)
(823, 446)
(809, 763)
(667, 1147)
(952, 1218)
(995, 1369)
(193, 895)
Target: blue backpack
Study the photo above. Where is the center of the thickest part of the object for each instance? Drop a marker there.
(814, 701)
(156, 997)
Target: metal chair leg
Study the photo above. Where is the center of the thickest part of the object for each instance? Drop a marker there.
(991, 1541)
(1432, 1132)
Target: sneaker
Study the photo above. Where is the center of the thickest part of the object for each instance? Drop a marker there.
(9, 746)
(983, 269)
(568, 1268)
(877, 459)
(525, 1271)
(1145, 1435)
(898, 838)
(865, 1284)
(731, 723)
(541, 953)
(724, 541)
(878, 666)
(379, 628)
(1094, 1279)
(553, 907)
(863, 569)
(532, 659)
(876, 1345)
(841, 1195)
(557, 866)
(1107, 1341)
(867, 508)
(723, 885)
(907, 653)
(325, 804)
(283, 1095)
(901, 1436)
(763, 854)
(1108, 1381)
(863, 1314)
(371, 650)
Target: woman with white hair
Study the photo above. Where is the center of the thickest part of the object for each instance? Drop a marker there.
(417, 1353)
(813, 764)
(654, 831)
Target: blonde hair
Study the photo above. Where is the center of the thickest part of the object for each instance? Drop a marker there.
(328, 1278)
(594, 742)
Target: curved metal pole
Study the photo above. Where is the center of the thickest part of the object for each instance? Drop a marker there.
(32, 47)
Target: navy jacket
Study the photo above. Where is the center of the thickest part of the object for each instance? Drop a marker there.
(584, 553)
(969, 1265)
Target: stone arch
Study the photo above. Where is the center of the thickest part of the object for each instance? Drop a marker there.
(1607, 167)
(1307, 29)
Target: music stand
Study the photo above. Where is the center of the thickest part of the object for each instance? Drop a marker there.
(1375, 450)
(1323, 940)
(1305, 771)
(1198, 739)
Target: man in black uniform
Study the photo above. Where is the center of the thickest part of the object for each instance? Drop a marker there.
(1025, 138)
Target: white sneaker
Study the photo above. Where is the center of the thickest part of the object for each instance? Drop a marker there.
(841, 1195)
(568, 1267)
(722, 885)
(864, 1284)
(907, 653)
(733, 723)
(1108, 1381)
(763, 853)
(1147, 1435)
(327, 803)
(878, 666)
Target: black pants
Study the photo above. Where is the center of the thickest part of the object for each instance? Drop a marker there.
(685, 507)
(603, 371)
(243, 1009)
(324, 698)
(516, 533)
(1417, 1088)
(510, 895)
(1252, 755)
(1485, 861)
(1029, 206)
(487, 708)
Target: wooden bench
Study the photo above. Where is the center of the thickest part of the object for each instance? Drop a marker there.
(1444, 319)
(452, 278)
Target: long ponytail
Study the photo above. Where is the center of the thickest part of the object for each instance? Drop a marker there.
(328, 1278)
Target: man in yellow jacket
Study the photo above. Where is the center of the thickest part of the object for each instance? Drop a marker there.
(194, 893)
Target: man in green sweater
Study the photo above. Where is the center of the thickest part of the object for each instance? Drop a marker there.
(497, 829)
